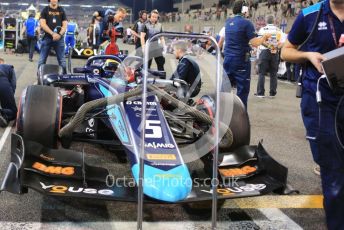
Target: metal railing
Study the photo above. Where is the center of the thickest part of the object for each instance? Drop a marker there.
(143, 125)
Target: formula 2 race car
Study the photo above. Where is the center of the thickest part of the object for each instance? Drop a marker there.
(101, 103)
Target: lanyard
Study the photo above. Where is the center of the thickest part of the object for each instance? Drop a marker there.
(330, 18)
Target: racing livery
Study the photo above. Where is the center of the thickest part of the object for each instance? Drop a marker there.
(101, 103)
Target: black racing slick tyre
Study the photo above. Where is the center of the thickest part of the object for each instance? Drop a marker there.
(239, 122)
(46, 69)
(240, 125)
(39, 115)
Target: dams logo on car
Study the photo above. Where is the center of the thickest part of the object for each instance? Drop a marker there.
(155, 145)
(62, 189)
(233, 172)
(239, 189)
(55, 170)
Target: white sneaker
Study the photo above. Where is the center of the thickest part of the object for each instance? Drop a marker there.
(259, 96)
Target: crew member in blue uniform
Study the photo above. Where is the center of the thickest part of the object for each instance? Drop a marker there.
(8, 108)
(70, 38)
(31, 28)
(320, 120)
(239, 35)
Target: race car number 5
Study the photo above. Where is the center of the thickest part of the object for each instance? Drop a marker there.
(155, 127)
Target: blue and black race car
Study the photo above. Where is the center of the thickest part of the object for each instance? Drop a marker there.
(101, 103)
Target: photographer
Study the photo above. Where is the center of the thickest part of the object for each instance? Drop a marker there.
(319, 28)
(54, 23)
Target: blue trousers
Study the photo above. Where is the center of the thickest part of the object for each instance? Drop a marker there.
(327, 152)
(8, 104)
(47, 44)
(239, 73)
(70, 42)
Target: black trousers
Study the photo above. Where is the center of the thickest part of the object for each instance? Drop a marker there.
(268, 62)
(160, 62)
(31, 41)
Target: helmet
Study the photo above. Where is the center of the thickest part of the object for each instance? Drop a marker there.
(110, 66)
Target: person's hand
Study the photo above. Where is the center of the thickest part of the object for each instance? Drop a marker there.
(316, 58)
(56, 37)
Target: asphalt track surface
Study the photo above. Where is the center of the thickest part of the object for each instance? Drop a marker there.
(277, 121)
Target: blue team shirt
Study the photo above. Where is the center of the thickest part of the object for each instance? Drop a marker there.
(238, 33)
(71, 28)
(321, 41)
(31, 25)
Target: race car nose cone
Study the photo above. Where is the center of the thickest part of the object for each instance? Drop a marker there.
(170, 186)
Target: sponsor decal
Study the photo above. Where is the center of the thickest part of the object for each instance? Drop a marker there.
(322, 26)
(86, 52)
(159, 145)
(117, 121)
(91, 122)
(46, 157)
(148, 114)
(140, 103)
(169, 157)
(61, 189)
(90, 129)
(236, 190)
(168, 175)
(57, 170)
(237, 171)
(136, 108)
(96, 71)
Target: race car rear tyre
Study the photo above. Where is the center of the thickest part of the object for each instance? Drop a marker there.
(39, 115)
(47, 69)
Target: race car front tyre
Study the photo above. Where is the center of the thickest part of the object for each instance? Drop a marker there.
(39, 115)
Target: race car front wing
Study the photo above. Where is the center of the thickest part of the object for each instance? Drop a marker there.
(64, 173)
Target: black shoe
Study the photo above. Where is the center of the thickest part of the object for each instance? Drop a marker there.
(3, 122)
(30, 60)
(272, 95)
